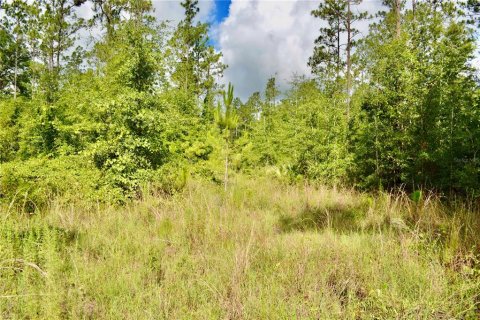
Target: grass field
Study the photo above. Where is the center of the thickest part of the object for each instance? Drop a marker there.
(262, 250)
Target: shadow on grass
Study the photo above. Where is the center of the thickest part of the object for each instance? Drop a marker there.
(339, 217)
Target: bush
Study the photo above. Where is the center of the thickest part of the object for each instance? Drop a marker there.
(32, 184)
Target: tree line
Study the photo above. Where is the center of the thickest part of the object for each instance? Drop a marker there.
(141, 102)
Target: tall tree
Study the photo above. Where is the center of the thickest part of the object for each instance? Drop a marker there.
(195, 62)
(15, 57)
(398, 17)
(473, 11)
(109, 13)
(418, 124)
(271, 92)
(58, 27)
(394, 17)
(330, 53)
(248, 111)
(327, 56)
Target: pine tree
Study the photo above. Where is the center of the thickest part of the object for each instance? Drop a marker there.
(58, 30)
(108, 13)
(326, 56)
(248, 112)
(331, 56)
(413, 126)
(227, 119)
(195, 63)
(15, 57)
(271, 92)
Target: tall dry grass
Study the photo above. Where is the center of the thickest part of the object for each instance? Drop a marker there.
(262, 250)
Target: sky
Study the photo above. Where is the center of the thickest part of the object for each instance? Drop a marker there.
(264, 38)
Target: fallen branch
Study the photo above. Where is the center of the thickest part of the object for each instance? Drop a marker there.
(29, 264)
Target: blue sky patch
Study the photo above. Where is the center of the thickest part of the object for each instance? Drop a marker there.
(221, 10)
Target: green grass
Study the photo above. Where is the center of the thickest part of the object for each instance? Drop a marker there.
(262, 250)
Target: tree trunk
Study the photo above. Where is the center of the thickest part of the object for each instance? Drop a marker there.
(338, 49)
(226, 169)
(414, 8)
(451, 156)
(398, 18)
(349, 49)
(15, 73)
(377, 163)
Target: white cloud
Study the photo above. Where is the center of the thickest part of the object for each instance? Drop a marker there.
(163, 10)
(262, 38)
(172, 10)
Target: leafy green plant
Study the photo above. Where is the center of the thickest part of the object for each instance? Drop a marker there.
(227, 119)
(416, 196)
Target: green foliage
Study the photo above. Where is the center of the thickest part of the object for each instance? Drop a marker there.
(121, 119)
(227, 120)
(130, 119)
(328, 59)
(31, 185)
(138, 105)
(417, 122)
(226, 116)
(9, 113)
(15, 59)
(303, 134)
(194, 62)
(271, 93)
(34, 258)
(248, 112)
(416, 196)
